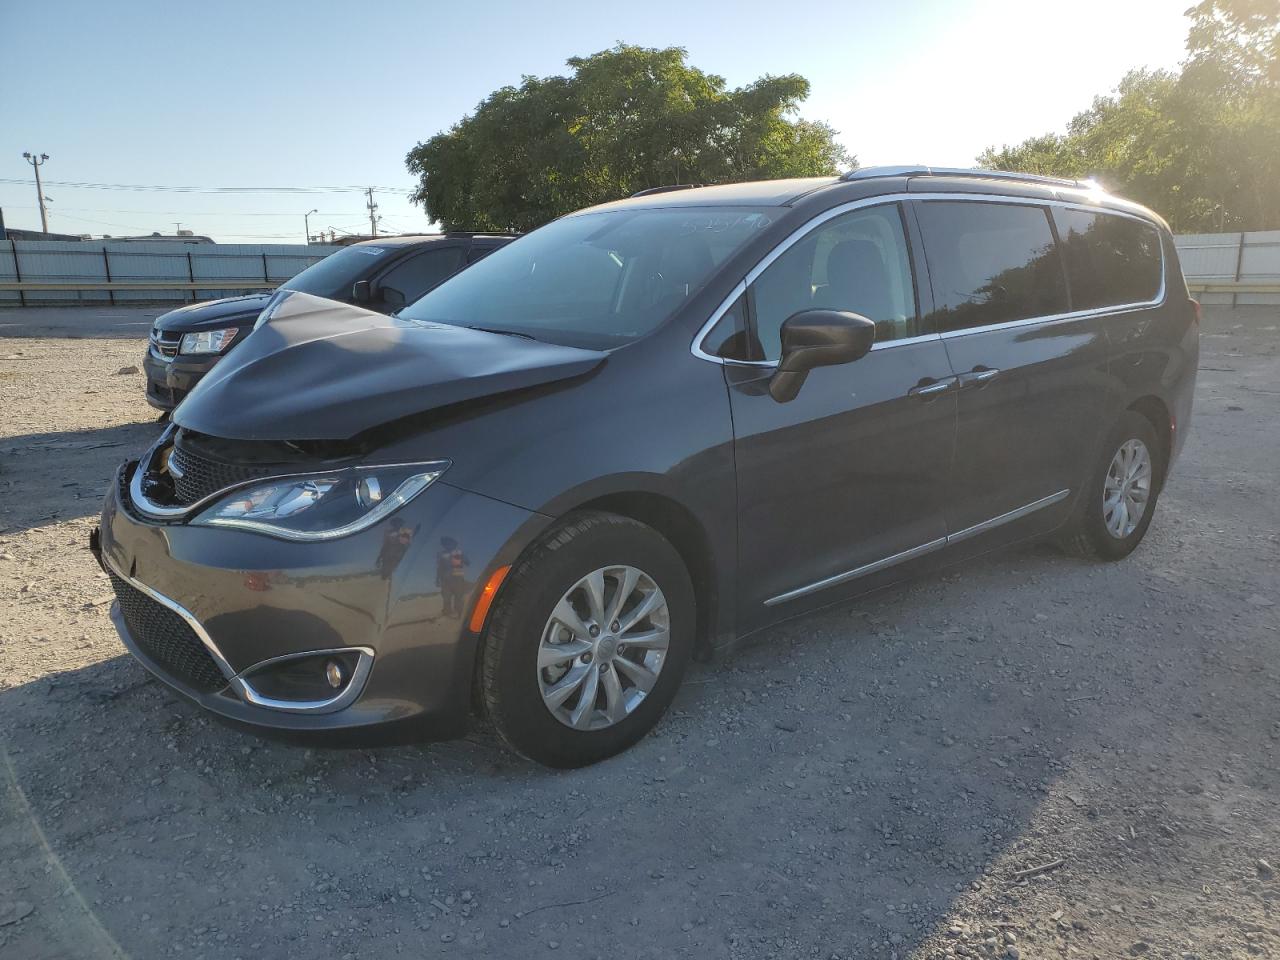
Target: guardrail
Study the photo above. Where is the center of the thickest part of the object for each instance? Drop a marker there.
(213, 283)
(1231, 286)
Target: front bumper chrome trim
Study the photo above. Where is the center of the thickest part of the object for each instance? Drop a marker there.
(196, 626)
(364, 663)
(239, 682)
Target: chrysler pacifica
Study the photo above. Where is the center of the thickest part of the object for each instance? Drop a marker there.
(640, 433)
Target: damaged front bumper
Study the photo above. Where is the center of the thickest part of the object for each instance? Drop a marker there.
(350, 639)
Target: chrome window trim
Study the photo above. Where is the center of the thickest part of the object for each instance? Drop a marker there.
(800, 232)
(364, 664)
(237, 681)
(923, 549)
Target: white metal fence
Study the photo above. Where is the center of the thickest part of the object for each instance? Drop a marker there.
(1234, 268)
(69, 271)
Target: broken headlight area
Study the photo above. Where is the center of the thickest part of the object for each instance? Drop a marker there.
(294, 491)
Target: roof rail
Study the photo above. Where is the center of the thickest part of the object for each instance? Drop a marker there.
(675, 186)
(870, 173)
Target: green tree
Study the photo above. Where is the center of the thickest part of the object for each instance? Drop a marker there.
(626, 119)
(1202, 145)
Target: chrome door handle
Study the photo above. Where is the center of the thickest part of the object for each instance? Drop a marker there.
(978, 376)
(927, 391)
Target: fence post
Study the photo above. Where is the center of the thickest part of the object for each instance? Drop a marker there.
(266, 277)
(191, 275)
(106, 265)
(17, 272)
(1239, 265)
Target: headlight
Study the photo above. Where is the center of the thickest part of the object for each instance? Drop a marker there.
(208, 341)
(322, 506)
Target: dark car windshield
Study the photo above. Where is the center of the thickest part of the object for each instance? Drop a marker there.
(595, 279)
(333, 276)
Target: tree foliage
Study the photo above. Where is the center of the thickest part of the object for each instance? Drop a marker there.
(1201, 145)
(626, 119)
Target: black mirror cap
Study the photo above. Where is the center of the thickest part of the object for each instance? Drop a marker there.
(818, 338)
(361, 291)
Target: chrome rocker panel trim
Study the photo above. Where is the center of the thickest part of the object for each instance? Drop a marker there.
(922, 550)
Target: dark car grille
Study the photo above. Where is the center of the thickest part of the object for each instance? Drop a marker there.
(196, 477)
(164, 343)
(167, 639)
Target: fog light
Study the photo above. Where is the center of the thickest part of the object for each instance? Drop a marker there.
(333, 674)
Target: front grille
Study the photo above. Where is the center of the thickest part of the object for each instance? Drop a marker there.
(167, 639)
(196, 477)
(164, 344)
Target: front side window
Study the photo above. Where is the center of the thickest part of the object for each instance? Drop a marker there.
(990, 263)
(412, 277)
(1111, 260)
(595, 280)
(856, 262)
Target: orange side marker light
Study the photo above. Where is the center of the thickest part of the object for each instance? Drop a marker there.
(481, 611)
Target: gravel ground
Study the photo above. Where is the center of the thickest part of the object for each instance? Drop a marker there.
(1025, 756)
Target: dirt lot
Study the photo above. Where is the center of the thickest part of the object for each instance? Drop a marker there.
(868, 782)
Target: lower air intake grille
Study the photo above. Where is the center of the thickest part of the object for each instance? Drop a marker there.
(167, 639)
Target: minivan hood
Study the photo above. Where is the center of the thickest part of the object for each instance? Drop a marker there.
(212, 313)
(322, 370)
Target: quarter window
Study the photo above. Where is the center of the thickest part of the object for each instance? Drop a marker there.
(990, 263)
(856, 262)
(1111, 260)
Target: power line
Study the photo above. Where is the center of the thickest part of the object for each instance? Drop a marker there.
(402, 191)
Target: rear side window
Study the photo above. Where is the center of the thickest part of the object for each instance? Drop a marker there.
(990, 263)
(1111, 260)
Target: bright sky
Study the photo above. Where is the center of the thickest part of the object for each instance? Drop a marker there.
(322, 93)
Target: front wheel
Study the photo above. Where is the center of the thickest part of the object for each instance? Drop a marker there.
(588, 642)
(1117, 505)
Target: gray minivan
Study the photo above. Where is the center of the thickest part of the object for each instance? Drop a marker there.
(639, 433)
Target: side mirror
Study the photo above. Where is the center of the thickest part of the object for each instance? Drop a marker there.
(392, 299)
(818, 338)
(361, 291)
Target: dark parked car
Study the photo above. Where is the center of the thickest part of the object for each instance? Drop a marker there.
(641, 432)
(381, 275)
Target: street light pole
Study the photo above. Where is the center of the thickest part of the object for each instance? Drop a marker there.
(36, 162)
(306, 219)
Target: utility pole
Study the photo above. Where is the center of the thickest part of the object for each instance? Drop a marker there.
(373, 213)
(306, 222)
(36, 162)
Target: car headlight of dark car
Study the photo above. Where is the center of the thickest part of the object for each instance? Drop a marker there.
(321, 506)
(208, 341)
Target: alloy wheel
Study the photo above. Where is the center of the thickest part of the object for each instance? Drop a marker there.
(1127, 489)
(603, 647)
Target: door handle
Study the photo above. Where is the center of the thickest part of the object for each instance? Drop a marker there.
(928, 391)
(978, 377)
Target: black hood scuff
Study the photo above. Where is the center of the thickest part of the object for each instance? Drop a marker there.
(322, 370)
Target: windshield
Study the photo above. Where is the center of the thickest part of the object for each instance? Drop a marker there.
(333, 276)
(596, 279)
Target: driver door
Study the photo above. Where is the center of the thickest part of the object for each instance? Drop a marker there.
(850, 477)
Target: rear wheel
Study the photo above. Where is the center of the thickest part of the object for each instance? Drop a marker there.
(588, 642)
(1116, 507)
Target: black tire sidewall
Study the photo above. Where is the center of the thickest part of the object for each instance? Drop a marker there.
(510, 677)
(1131, 426)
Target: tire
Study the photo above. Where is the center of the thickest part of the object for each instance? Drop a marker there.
(522, 629)
(1087, 533)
